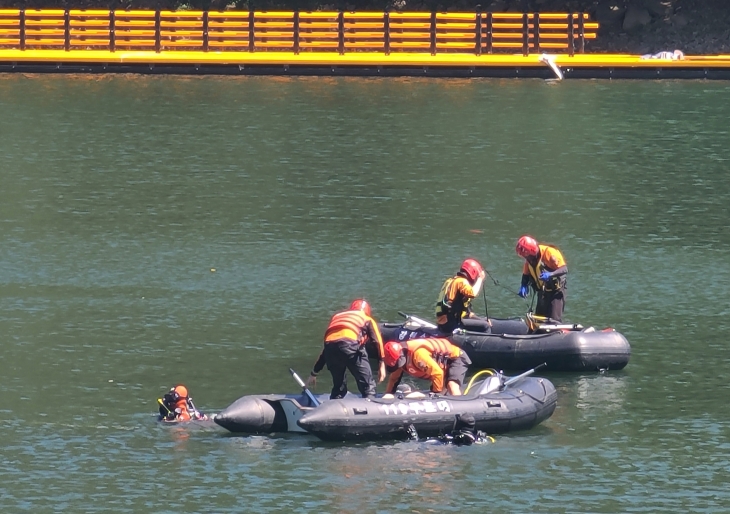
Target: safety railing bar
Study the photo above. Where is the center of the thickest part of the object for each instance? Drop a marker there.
(440, 37)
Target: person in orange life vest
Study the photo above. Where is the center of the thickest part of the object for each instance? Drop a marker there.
(177, 405)
(344, 349)
(453, 307)
(545, 270)
(433, 358)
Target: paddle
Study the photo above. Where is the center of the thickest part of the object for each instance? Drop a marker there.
(309, 394)
(159, 400)
(520, 377)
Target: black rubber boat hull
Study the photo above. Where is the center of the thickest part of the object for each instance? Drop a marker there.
(266, 413)
(510, 347)
(520, 407)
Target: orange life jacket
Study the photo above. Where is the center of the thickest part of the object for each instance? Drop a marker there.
(182, 413)
(550, 260)
(454, 301)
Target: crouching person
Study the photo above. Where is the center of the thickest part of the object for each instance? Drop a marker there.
(434, 359)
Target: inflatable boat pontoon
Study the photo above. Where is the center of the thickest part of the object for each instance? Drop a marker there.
(517, 344)
(497, 403)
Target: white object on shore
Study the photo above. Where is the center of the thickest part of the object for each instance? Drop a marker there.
(550, 61)
(677, 55)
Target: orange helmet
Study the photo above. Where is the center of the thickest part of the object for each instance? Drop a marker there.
(527, 247)
(181, 391)
(471, 269)
(360, 305)
(393, 351)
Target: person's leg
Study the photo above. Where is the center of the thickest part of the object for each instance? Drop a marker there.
(336, 363)
(359, 366)
(456, 373)
(557, 304)
(542, 308)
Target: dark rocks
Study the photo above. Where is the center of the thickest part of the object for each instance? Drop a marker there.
(636, 17)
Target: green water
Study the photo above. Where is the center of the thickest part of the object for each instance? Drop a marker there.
(158, 230)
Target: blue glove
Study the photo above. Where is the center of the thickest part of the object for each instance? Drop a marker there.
(545, 275)
(523, 292)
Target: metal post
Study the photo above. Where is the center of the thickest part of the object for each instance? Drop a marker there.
(112, 31)
(490, 29)
(525, 35)
(478, 27)
(433, 32)
(536, 32)
(571, 36)
(341, 32)
(386, 32)
(158, 42)
(66, 31)
(205, 31)
(251, 35)
(581, 33)
(22, 29)
(296, 32)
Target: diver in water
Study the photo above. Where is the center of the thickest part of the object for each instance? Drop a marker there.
(463, 433)
(177, 405)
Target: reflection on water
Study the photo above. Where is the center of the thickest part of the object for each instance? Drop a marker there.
(602, 391)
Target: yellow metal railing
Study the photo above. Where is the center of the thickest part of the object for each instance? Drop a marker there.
(321, 31)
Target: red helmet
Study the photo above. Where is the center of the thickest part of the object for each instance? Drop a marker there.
(393, 351)
(527, 247)
(361, 305)
(181, 391)
(471, 270)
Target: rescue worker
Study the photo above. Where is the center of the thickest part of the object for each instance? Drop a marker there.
(177, 405)
(453, 307)
(344, 349)
(464, 433)
(433, 358)
(545, 271)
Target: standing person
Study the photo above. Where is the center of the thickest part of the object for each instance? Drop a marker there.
(344, 349)
(545, 270)
(433, 358)
(453, 307)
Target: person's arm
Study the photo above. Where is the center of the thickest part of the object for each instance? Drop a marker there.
(424, 361)
(394, 380)
(318, 366)
(555, 262)
(374, 335)
(562, 270)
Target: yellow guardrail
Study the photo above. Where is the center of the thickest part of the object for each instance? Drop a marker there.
(294, 31)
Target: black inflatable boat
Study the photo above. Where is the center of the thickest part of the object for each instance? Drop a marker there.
(516, 344)
(498, 405)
